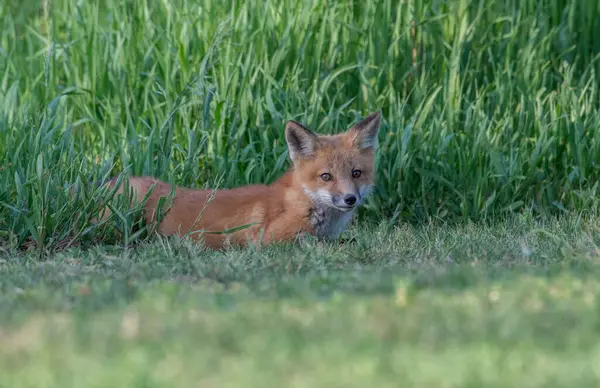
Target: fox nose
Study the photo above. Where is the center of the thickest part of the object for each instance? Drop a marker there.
(350, 199)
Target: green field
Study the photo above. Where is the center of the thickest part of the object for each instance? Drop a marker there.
(507, 305)
(474, 263)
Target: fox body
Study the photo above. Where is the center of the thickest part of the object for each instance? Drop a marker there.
(331, 176)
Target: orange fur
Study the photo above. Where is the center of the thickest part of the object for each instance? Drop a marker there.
(300, 201)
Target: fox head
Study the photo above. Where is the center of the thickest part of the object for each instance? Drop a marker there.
(335, 171)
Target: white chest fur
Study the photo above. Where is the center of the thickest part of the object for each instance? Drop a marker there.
(328, 222)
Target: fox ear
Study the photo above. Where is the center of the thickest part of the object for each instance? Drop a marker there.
(301, 141)
(366, 131)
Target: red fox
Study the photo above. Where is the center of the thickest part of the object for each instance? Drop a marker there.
(330, 177)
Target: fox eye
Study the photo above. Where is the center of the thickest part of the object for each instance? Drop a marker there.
(326, 176)
(356, 173)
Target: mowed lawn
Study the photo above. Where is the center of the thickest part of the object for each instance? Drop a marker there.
(514, 303)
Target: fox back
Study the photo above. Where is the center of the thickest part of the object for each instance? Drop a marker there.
(330, 177)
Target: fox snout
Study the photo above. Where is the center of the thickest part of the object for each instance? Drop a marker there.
(350, 199)
(346, 200)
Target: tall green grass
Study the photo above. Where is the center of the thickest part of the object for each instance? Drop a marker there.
(489, 107)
